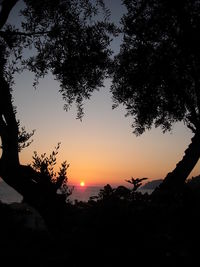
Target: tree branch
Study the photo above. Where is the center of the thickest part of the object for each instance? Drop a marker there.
(5, 33)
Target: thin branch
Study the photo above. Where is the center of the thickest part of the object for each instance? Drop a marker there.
(5, 33)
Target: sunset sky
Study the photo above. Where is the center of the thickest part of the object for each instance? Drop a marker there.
(101, 149)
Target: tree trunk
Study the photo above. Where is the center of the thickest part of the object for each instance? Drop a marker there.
(17, 176)
(8, 126)
(176, 179)
(23, 179)
(10, 169)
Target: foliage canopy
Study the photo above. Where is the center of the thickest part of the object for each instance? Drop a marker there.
(68, 38)
(156, 73)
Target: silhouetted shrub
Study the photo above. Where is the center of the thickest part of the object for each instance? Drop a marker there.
(121, 192)
(57, 183)
(106, 193)
(136, 182)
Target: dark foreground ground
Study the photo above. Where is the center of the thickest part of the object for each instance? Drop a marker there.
(108, 231)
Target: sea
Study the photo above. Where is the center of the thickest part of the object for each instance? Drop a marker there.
(9, 195)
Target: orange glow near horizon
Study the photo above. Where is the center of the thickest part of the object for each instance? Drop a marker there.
(101, 148)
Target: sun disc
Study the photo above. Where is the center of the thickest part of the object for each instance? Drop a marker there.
(82, 183)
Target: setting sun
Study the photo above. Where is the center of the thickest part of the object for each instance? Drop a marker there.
(82, 183)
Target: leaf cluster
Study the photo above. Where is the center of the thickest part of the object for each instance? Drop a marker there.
(48, 178)
(136, 183)
(24, 138)
(68, 38)
(156, 73)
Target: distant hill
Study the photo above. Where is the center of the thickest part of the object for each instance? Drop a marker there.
(152, 184)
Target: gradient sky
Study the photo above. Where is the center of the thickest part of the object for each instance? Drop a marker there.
(101, 149)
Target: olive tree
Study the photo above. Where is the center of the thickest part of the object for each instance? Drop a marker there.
(156, 74)
(68, 39)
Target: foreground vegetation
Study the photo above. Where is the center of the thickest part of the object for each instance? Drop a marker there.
(113, 229)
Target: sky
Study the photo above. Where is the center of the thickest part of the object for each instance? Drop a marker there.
(101, 148)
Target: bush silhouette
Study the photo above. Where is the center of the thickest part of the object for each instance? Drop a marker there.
(57, 183)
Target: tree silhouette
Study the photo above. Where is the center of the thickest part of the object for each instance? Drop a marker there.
(67, 38)
(156, 73)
